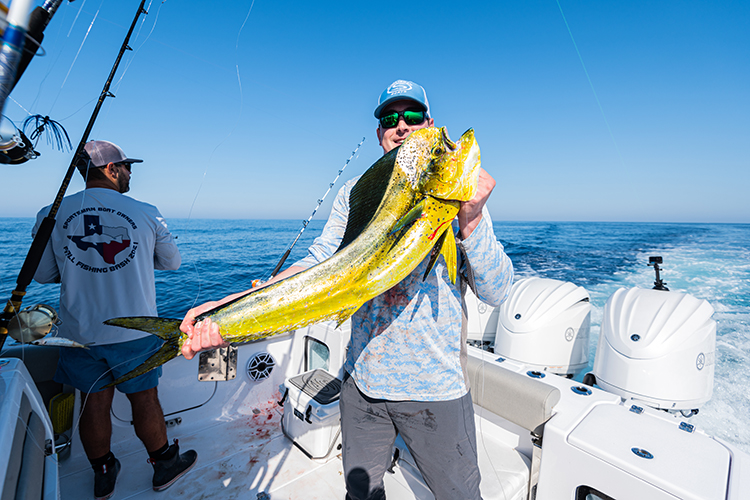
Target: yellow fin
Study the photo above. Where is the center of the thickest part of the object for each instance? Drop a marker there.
(448, 251)
(411, 216)
(445, 246)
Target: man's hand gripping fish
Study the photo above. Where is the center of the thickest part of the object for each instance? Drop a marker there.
(399, 210)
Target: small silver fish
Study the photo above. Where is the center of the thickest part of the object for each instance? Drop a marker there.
(58, 342)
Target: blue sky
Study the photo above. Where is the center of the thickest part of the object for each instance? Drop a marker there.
(250, 113)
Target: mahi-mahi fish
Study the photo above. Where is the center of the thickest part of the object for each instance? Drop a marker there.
(400, 209)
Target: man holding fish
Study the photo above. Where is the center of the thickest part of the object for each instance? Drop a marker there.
(405, 369)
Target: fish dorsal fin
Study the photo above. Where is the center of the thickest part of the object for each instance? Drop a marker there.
(366, 196)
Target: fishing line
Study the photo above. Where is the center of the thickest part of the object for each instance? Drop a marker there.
(78, 110)
(239, 114)
(54, 63)
(135, 53)
(45, 228)
(83, 42)
(153, 27)
(85, 195)
(306, 222)
(75, 19)
(85, 177)
(85, 400)
(210, 157)
(51, 67)
(580, 58)
(20, 106)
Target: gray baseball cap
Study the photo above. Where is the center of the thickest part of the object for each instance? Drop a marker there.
(104, 152)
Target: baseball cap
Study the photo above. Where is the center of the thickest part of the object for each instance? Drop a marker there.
(104, 152)
(401, 90)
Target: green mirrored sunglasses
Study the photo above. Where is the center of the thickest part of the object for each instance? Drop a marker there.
(390, 120)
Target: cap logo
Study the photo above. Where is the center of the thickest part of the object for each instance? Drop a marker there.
(399, 87)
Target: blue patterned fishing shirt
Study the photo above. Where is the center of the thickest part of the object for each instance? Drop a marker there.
(406, 343)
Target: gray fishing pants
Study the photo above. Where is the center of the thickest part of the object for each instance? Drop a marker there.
(440, 436)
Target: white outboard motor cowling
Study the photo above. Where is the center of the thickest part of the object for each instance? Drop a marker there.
(481, 321)
(657, 347)
(545, 324)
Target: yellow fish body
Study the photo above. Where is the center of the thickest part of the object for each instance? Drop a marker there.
(399, 210)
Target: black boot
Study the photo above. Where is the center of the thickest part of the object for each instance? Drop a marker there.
(169, 470)
(104, 480)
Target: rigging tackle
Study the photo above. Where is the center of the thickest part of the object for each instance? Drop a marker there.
(33, 257)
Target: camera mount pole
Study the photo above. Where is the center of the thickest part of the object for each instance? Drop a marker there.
(658, 284)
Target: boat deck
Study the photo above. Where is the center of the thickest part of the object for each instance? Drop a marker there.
(243, 457)
(239, 457)
(243, 453)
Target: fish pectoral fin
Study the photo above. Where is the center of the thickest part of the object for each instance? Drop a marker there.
(410, 217)
(164, 328)
(445, 246)
(345, 314)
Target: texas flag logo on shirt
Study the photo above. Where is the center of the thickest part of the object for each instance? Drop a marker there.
(108, 241)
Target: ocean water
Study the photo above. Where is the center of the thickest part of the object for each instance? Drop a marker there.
(709, 261)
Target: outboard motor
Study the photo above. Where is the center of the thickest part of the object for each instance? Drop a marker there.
(657, 347)
(545, 324)
(482, 322)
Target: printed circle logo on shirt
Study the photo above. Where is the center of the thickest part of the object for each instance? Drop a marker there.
(99, 248)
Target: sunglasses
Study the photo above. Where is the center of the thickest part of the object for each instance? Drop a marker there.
(410, 118)
(126, 165)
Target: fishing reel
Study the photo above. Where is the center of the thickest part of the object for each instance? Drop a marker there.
(15, 147)
(32, 323)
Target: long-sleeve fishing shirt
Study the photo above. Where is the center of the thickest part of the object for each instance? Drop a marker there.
(104, 249)
(406, 343)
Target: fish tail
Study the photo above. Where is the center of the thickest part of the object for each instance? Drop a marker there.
(169, 350)
(164, 328)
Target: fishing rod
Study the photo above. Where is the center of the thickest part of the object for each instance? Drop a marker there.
(48, 223)
(13, 41)
(305, 223)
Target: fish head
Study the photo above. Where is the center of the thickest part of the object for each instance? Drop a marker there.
(439, 167)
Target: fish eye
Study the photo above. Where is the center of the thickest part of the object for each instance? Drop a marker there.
(438, 151)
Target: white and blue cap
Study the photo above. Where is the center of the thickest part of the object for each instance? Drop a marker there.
(402, 90)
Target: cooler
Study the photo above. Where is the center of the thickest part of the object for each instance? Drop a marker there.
(311, 412)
